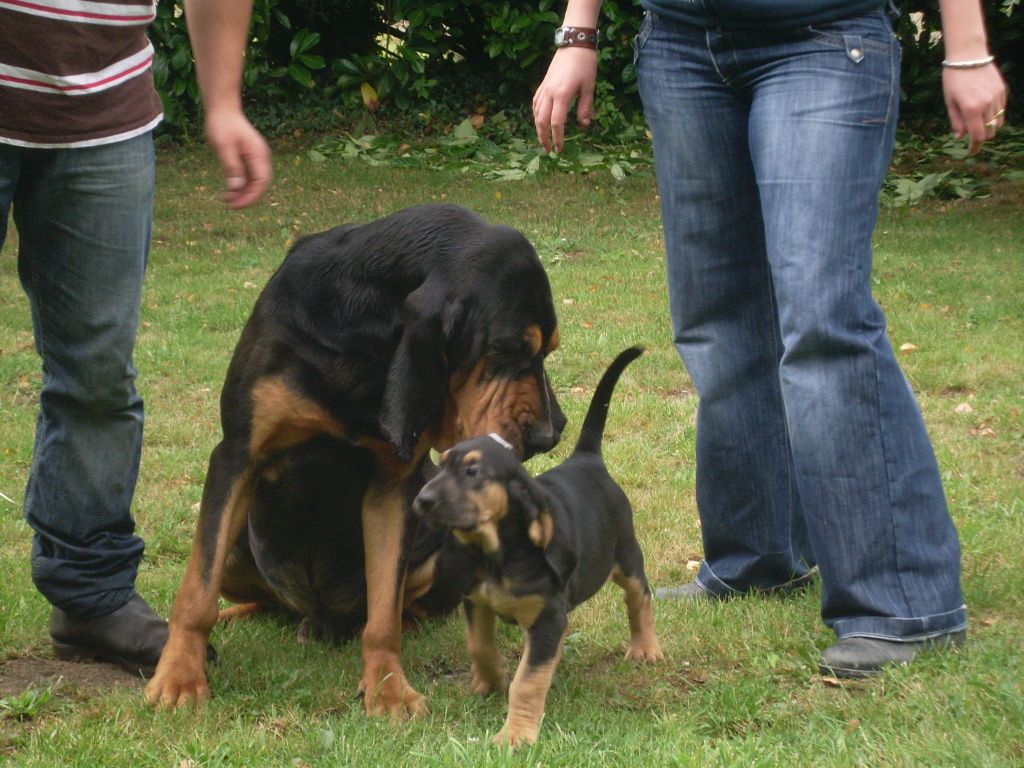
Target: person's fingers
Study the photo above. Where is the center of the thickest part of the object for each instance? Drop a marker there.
(549, 114)
(956, 120)
(542, 120)
(585, 108)
(247, 171)
(245, 164)
(976, 101)
(255, 182)
(231, 165)
(559, 110)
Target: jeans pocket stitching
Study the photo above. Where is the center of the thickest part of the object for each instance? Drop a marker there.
(837, 41)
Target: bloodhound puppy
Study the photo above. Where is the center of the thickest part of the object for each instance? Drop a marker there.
(540, 547)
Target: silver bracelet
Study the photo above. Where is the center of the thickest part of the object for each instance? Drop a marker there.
(969, 64)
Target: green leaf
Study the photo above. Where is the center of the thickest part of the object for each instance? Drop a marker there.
(312, 61)
(465, 130)
(300, 75)
(350, 66)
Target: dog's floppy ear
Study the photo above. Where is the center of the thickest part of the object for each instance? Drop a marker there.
(417, 382)
(543, 532)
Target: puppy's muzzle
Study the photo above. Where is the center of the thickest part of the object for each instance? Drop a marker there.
(426, 503)
(435, 506)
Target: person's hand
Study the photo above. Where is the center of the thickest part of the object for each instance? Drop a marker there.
(571, 74)
(244, 157)
(976, 102)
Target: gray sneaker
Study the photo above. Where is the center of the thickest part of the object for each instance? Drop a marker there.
(694, 590)
(691, 591)
(856, 657)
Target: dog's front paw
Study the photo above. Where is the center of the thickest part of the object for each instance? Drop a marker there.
(180, 676)
(385, 691)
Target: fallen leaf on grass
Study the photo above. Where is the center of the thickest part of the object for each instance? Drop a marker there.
(964, 408)
(830, 682)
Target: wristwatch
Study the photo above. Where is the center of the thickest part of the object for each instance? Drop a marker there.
(576, 37)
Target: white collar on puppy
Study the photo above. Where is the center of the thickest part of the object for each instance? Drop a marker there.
(500, 440)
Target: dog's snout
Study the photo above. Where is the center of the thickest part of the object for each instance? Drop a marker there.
(425, 502)
(544, 434)
(542, 438)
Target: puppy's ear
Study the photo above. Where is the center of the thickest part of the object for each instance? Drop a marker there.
(417, 382)
(534, 501)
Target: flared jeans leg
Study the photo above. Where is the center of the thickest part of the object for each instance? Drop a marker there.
(770, 151)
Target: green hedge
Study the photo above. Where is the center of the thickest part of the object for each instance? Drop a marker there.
(308, 62)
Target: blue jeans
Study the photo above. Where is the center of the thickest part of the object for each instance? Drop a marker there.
(83, 217)
(770, 149)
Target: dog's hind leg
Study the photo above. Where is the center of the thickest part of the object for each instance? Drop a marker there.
(487, 674)
(643, 641)
(242, 581)
(239, 611)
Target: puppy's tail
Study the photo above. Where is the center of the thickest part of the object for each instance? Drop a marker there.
(593, 424)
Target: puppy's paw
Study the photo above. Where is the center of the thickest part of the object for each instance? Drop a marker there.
(486, 684)
(513, 737)
(488, 675)
(645, 651)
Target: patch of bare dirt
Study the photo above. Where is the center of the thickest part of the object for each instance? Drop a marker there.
(20, 675)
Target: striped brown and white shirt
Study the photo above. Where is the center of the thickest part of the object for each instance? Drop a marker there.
(76, 73)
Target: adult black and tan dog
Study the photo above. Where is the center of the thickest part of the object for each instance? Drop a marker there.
(540, 548)
(369, 346)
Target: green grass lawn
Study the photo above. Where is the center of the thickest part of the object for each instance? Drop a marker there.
(740, 686)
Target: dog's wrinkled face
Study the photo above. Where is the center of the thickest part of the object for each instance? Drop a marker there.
(507, 392)
(481, 483)
(470, 360)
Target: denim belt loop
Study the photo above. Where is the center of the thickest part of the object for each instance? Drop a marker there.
(854, 48)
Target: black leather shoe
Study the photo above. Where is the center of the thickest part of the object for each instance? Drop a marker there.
(854, 657)
(132, 637)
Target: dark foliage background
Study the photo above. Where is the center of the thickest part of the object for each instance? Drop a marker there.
(321, 65)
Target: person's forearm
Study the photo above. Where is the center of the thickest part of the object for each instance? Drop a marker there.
(582, 13)
(218, 31)
(963, 30)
